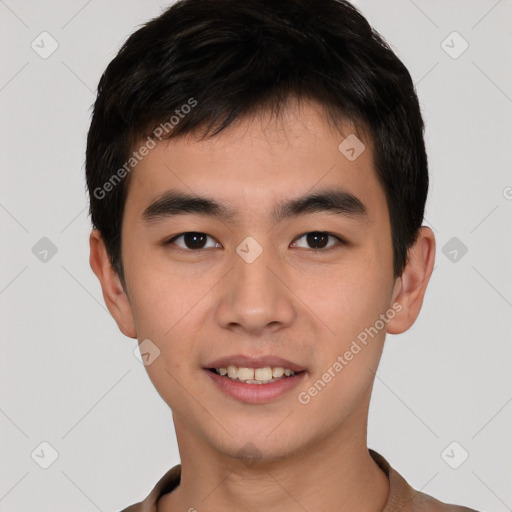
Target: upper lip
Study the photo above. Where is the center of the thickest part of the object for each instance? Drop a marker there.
(254, 362)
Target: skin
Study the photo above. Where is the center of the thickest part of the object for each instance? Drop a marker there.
(303, 304)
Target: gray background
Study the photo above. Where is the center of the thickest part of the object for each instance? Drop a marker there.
(69, 377)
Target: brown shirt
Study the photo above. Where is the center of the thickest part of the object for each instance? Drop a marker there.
(402, 497)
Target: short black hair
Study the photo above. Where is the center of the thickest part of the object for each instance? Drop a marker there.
(202, 64)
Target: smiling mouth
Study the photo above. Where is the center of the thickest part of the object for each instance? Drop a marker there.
(265, 375)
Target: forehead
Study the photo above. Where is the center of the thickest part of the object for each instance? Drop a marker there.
(256, 162)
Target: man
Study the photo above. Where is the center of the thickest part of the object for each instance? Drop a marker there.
(258, 177)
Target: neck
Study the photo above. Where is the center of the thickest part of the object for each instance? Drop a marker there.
(336, 474)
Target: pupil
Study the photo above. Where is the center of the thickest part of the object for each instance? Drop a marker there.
(314, 239)
(194, 240)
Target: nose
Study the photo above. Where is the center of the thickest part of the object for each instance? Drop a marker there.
(255, 296)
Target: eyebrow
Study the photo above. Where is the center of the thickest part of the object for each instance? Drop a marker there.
(336, 201)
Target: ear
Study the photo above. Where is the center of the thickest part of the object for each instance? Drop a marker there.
(410, 287)
(113, 292)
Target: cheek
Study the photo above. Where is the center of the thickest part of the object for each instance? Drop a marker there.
(167, 307)
(351, 307)
(160, 294)
(350, 297)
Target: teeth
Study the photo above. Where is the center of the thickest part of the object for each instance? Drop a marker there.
(262, 374)
(245, 374)
(255, 375)
(277, 372)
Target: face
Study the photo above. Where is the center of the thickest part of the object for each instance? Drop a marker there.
(284, 260)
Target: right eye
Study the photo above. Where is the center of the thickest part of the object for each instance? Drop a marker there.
(192, 240)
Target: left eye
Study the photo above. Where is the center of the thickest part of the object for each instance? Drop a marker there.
(318, 239)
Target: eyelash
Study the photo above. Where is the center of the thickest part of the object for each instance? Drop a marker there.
(340, 240)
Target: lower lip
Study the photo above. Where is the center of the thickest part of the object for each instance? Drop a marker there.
(256, 393)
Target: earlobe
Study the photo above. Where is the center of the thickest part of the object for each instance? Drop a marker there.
(114, 294)
(410, 287)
